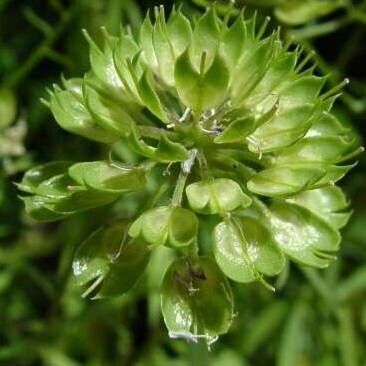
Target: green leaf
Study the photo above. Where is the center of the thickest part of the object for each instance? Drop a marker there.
(285, 180)
(302, 235)
(8, 107)
(166, 225)
(245, 250)
(196, 300)
(295, 12)
(216, 196)
(329, 203)
(110, 177)
(204, 89)
(35, 176)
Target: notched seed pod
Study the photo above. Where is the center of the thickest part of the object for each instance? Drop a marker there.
(166, 225)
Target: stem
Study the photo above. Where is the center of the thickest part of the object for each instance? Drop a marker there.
(334, 78)
(317, 30)
(347, 338)
(321, 288)
(41, 51)
(185, 169)
(156, 197)
(205, 171)
(179, 189)
(350, 48)
(341, 314)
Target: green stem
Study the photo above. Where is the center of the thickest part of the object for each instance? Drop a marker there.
(41, 51)
(335, 77)
(185, 170)
(179, 189)
(350, 48)
(156, 197)
(317, 30)
(347, 338)
(354, 14)
(342, 314)
(320, 286)
(205, 171)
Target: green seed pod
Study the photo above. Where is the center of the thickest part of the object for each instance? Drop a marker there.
(107, 264)
(60, 189)
(105, 177)
(196, 300)
(245, 250)
(166, 225)
(217, 196)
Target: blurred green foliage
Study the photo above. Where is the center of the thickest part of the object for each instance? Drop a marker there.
(313, 319)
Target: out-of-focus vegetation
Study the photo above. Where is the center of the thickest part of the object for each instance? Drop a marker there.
(315, 318)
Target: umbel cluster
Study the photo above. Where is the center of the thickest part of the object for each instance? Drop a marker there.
(245, 130)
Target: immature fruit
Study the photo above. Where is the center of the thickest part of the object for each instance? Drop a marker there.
(245, 134)
(174, 226)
